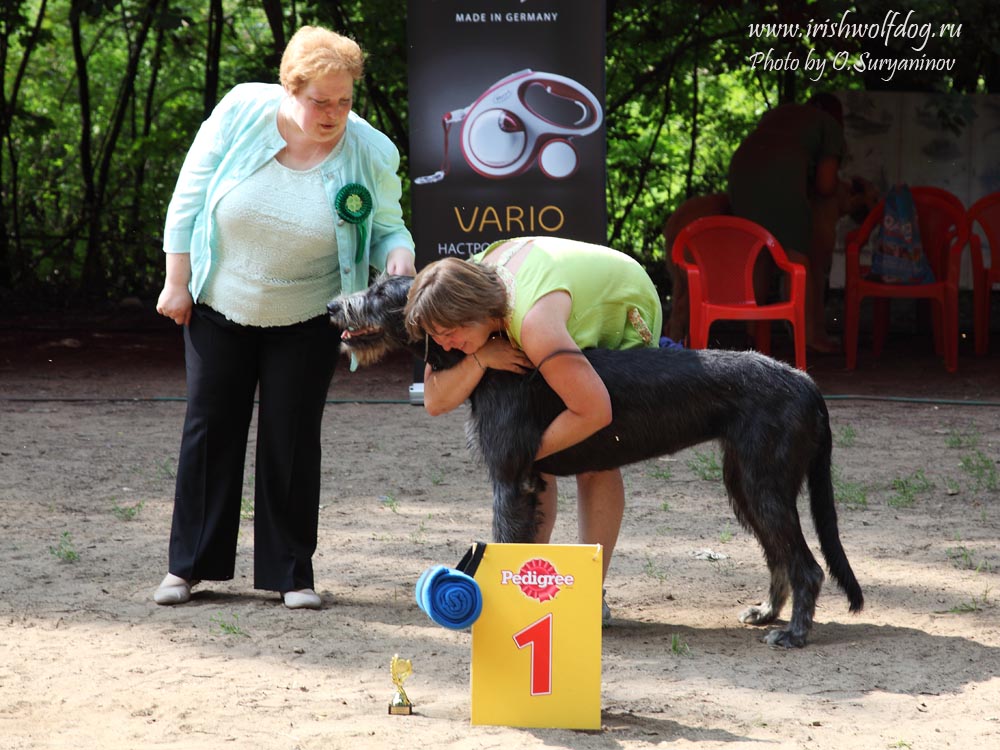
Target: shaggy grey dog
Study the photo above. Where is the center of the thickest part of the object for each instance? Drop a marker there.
(770, 420)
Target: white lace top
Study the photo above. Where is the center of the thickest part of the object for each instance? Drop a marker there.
(276, 262)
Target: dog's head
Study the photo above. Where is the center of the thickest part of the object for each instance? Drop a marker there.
(371, 321)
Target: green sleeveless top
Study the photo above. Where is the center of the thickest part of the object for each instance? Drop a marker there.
(615, 303)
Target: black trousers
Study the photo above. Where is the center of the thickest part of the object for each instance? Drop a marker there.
(226, 363)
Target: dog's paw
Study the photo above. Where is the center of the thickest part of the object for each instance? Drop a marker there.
(785, 639)
(762, 614)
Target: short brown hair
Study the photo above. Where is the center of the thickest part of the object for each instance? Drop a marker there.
(450, 293)
(313, 52)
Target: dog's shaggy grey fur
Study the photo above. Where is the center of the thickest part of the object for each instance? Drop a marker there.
(770, 420)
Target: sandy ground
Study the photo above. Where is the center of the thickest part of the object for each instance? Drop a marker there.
(89, 428)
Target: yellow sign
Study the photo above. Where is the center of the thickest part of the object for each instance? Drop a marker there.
(536, 647)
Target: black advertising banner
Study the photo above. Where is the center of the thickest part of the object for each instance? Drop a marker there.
(506, 118)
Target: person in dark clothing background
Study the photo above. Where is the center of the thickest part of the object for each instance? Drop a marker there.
(788, 163)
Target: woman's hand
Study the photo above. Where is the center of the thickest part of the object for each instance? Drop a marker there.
(175, 300)
(500, 354)
(445, 390)
(175, 303)
(400, 262)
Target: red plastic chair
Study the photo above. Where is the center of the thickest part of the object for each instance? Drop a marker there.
(944, 233)
(985, 212)
(718, 254)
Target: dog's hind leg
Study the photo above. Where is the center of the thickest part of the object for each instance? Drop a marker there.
(805, 577)
(794, 571)
(765, 503)
(767, 612)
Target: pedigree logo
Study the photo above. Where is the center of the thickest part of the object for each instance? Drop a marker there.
(537, 579)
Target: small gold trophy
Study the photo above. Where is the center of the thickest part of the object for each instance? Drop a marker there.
(400, 670)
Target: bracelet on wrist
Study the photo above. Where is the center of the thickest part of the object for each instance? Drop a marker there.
(478, 362)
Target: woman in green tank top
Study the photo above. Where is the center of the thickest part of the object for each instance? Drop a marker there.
(515, 306)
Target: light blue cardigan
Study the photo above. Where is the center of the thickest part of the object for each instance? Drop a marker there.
(239, 137)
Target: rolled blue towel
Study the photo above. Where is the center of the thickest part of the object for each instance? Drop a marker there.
(449, 597)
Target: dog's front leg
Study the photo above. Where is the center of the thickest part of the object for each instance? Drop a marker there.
(505, 426)
(516, 510)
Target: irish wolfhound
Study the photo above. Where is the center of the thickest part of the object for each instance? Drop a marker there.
(769, 418)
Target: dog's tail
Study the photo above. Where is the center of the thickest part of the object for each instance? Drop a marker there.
(824, 513)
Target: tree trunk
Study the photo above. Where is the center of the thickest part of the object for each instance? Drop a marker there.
(14, 263)
(695, 110)
(96, 176)
(272, 9)
(91, 268)
(216, 24)
(141, 248)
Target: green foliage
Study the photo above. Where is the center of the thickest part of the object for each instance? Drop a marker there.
(677, 646)
(651, 569)
(964, 558)
(845, 437)
(103, 97)
(126, 512)
(229, 627)
(390, 502)
(905, 489)
(706, 466)
(65, 550)
(851, 494)
(962, 439)
(661, 472)
(982, 470)
(975, 604)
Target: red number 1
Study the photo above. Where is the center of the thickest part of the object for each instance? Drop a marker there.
(538, 635)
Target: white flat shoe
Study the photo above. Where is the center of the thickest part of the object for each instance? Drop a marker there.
(173, 590)
(302, 599)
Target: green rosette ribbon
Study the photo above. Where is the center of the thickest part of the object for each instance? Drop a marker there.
(354, 205)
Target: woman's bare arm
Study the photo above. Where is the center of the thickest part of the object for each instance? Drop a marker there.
(445, 390)
(548, 343)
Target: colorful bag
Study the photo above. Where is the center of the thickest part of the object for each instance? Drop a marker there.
(899, 258)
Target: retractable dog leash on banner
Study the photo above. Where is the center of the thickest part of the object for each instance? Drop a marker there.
(525, 117)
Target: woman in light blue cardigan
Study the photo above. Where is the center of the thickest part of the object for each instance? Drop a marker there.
(286, 198)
